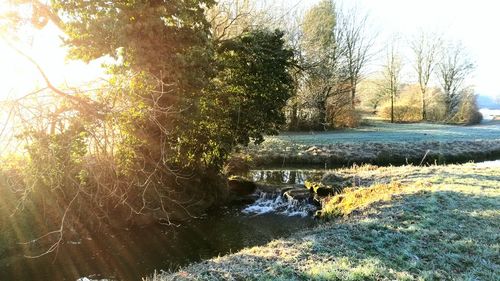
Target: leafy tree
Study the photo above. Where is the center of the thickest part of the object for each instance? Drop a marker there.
(177, 103)
(245, 98)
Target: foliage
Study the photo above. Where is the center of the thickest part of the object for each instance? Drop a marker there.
(153, 140)
(467, 111)
(245, 97)
(402, 113)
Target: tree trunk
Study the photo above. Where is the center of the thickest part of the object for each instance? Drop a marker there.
(294, 117)
(392, 107)
(322, 115)
(424, 113)
(353, 97)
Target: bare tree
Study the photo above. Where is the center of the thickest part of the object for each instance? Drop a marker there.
(392, 74)
(357, 45)
(453, 69)
(425, 48)
(229, 18)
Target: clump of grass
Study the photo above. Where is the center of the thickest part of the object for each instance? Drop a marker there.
(359, 198)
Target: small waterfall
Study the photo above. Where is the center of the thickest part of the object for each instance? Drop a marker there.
(278, 204)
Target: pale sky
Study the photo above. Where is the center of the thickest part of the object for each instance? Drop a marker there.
(475, 23)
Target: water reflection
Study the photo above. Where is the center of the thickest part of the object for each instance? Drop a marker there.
(285, 176)
(130, 255)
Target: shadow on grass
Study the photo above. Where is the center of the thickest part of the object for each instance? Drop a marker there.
(440, 235)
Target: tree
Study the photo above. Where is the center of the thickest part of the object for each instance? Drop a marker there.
(177, 102)
(425, 48)
(392, 74)
(293, 39)
(467, 110)
(336, 48)
(357, 46)
(321, 57)
(245, 98)
(453, 70)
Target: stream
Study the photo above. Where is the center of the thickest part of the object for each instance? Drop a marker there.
(133, 254)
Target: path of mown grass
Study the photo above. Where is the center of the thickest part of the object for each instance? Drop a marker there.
(412, 223)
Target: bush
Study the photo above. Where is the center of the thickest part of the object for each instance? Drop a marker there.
(402, 113)
(346, 118)
(436, 112)
(468, 111)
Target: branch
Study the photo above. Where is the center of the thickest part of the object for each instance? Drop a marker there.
(47, 12)
(59, 231)
(85, 105)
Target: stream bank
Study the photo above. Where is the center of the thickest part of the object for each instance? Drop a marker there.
(427, 222)
(378, 143)
(382, 154)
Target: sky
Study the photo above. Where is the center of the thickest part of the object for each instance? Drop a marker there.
(474, 23)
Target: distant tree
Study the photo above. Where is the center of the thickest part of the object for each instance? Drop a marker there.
(321, 57)
(293, 39)
(454, 68)
(318, 29)
(392, 74)
(425, 48)
(467, 110)
(357, 45)
(337, 47)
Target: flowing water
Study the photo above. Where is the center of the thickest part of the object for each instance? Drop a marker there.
(279, 204)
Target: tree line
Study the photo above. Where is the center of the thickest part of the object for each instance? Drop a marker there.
(336, 46)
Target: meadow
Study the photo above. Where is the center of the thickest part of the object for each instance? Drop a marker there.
(382, 144)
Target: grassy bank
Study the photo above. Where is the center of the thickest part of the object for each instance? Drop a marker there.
(404, 223)
(380, 144)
